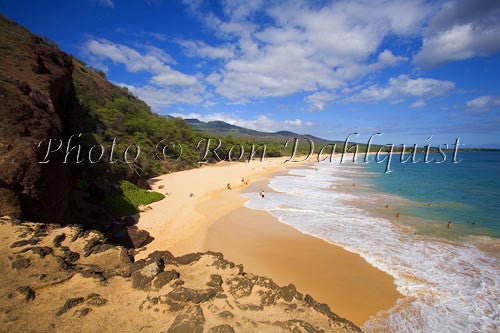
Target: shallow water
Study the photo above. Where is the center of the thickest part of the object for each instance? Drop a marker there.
(450, 284)
(464, 193)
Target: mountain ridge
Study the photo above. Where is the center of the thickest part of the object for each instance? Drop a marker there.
(222, 128)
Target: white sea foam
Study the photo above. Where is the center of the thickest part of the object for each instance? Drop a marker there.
(448, 286)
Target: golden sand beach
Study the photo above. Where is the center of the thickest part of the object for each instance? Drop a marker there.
(200, 213)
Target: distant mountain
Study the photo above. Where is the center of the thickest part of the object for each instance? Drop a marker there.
(221, 128)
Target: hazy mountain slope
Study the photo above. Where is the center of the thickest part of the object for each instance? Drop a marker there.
(221, 128)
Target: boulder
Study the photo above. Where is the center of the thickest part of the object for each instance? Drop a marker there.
(191, 320)
(129, 236)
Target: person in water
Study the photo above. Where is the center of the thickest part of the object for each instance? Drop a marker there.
(261, 193)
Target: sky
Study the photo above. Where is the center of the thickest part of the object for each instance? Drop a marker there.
(412, 70)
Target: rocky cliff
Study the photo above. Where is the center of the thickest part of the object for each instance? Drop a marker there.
(47, 94)
(37, 103)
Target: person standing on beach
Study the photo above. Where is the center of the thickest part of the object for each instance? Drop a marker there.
(449, 225)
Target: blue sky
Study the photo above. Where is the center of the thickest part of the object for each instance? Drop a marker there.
(408, 69)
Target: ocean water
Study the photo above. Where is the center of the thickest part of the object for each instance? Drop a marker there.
(449, 278)
(463, 193)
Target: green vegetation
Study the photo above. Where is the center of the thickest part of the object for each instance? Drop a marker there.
(107, 112)
(127, 201)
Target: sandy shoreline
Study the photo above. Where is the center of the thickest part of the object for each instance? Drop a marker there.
(194, 199)
(215, 219)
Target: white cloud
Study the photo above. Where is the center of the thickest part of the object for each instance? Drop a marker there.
(484, 103)
(132, 59)
(166, 86)
(201, 49)
(462, 29)
(160, 97)
(396, 101)
(318, 100)
(260, 123)
(305, 47)
(173, 78)
(402, 86)
(386, 58)
(155, 61)
(418, 103)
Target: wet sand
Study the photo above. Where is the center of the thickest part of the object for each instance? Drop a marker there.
(345, 281)
(214, 218)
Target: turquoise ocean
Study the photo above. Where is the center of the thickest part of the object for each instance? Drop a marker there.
(463, 193)
(449, 277)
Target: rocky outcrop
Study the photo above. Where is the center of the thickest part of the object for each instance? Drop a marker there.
(38, 98)
(62, 279)
(41, 100)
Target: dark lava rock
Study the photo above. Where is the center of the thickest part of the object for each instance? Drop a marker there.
(215, 281)
(129, 221)
(288, 293)
(165, 277)
(325, 309)
(24, 242)
(70, 303)
(239, 287)
(93, 272)
(70, 256)
(129, 236)
(96, 300)
(28, 293)
(295, 325)
(20, 262)
(85, 311)
(192, 320)
(40, 230)
(95, 245)
(181, 295)
(65, 265)
(188, 258)
(58, 240)
(78, 232)
(221, 329)
(141, 279)
(226, 314)
(42, 251)
(165, 256)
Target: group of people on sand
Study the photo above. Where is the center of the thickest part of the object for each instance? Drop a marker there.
(261, 191)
